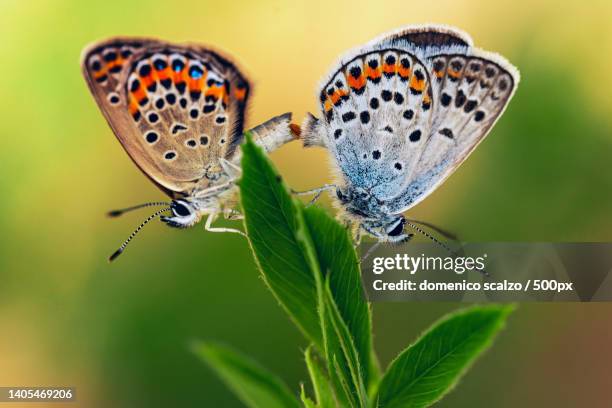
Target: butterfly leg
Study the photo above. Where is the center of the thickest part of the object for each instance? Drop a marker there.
(232, 215)
(213, 191)
(316, 191)
(370, 251)
(232, 170)
(208, 225)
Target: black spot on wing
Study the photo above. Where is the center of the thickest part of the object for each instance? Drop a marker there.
(348, 116)
(178, 127)
(364, 117)
(446, 132)
(460, 99)
(398, 98)
(470, 105)
(445, 99)
(415, 136)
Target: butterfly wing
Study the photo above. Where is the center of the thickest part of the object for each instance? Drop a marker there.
(470, 90)
(175, 109)
(404, 111)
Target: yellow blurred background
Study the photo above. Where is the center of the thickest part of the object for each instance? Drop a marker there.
(119, 332)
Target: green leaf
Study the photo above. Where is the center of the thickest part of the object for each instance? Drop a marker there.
(428, 369)
(254, 385)
(341, 349)
(335, 254)
(307, 402)
(292, 247)
(322, 389)
(280, 243)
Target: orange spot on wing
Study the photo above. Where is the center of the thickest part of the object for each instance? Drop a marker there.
(389, 68)
(181, 76)
(133, 106)
(216, 91)
(240, 93)
(116, 63)
(177, 76)
(139, 94)
(164, 73)
(356, 83)
(417, 84)
(373, 73)
(336, 96)
(103, 71)
(196, 84)
(403, 72)
(328, 105)
(147, 80)
(453, 73)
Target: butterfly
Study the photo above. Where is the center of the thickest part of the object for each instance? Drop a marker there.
(179, 112)
(399, 115)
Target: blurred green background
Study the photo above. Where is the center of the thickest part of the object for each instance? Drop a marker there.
(120, 332)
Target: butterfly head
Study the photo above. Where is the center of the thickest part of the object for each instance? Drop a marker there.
(184, 214)
(387, 229)
(372, 215)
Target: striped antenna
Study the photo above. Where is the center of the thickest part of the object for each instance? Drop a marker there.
(434, 239)
(442, 244)
(136, 231)
(117, 213)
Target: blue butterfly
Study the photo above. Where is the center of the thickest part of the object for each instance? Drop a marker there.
(399, 115)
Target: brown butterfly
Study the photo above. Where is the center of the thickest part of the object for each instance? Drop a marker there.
(178, 111)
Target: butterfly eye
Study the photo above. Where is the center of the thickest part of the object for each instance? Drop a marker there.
(180, 210)
(398, 229)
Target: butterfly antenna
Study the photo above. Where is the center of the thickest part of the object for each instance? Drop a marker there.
(136, 231)
(440, 243)
(117, 213)
(434, 239)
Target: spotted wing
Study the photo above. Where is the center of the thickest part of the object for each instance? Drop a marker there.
(175, 109)
(401, 114)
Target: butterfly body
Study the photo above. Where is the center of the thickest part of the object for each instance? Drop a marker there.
(179, 113)
(400, 114)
